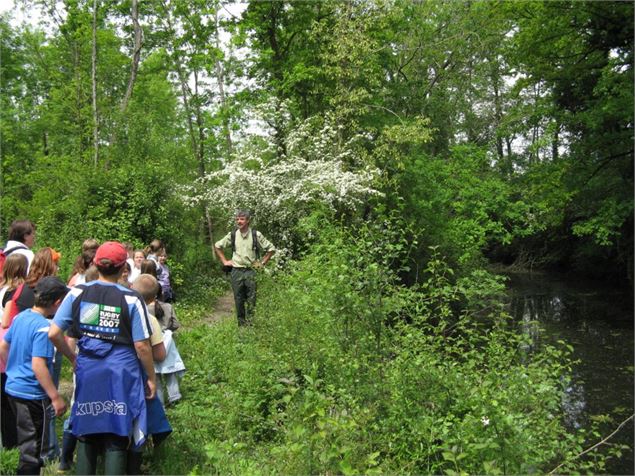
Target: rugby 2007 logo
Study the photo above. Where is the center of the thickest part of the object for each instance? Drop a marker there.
(99, 317)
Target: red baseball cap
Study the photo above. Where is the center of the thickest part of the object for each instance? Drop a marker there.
(112, 251)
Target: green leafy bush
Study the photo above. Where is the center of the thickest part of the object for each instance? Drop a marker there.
(347, 371)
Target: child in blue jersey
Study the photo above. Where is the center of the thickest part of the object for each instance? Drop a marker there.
(32, 393)
(111, 325)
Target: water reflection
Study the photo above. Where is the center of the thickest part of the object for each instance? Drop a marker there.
(597, 321)
(574, 404)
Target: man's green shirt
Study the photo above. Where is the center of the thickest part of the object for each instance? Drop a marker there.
(244, 254)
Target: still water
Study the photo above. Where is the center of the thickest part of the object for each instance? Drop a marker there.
(597, 320)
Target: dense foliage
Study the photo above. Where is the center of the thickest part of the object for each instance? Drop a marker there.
(390, 148)
(345, 371)
(500, 128)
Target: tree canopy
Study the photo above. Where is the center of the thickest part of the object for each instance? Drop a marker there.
(502, 130)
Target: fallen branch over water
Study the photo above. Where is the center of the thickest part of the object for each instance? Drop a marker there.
(621, 425)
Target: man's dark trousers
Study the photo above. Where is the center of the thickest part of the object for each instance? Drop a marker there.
(244, 287)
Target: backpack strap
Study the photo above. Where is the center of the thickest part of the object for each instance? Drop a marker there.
(13, 302)
(11, 250)
(17, 293)
(254, 240)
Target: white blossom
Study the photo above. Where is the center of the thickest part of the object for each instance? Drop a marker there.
(318, 168)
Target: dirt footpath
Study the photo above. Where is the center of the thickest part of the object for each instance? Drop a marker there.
(223, 308)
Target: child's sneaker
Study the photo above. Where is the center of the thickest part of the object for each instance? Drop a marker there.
(173, 402)
(64, 467)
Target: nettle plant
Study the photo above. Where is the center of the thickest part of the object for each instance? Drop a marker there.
(318, 169)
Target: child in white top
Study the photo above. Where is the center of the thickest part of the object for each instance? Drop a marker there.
(172, 368)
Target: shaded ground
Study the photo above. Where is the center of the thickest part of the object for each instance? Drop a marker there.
(223, 308)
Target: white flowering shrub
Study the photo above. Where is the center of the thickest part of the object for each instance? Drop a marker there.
(318, 169)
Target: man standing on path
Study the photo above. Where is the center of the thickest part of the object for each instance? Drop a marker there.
(247, 245)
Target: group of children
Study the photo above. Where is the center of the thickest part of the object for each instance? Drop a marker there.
(150, 260)
(116, 328)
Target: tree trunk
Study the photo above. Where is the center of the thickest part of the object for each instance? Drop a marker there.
(94, 85)
(220, 78)
(197, 149)
(186, 106)
(45, 144)
(183, 84)
(272, 34)
(200, 152)
(498, 110)
(136, 54)
(508, 144)
(555, 144)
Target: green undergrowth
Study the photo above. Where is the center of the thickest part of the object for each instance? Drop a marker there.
(345, 371)
(9, 461)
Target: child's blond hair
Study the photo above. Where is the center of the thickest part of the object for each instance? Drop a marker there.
(148, 286)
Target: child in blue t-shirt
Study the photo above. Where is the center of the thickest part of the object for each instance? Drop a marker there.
(32, 393)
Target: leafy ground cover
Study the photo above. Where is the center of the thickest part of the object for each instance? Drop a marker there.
(346, 371)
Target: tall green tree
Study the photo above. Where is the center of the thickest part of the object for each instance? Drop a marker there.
(581, 55)
(287, 41)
